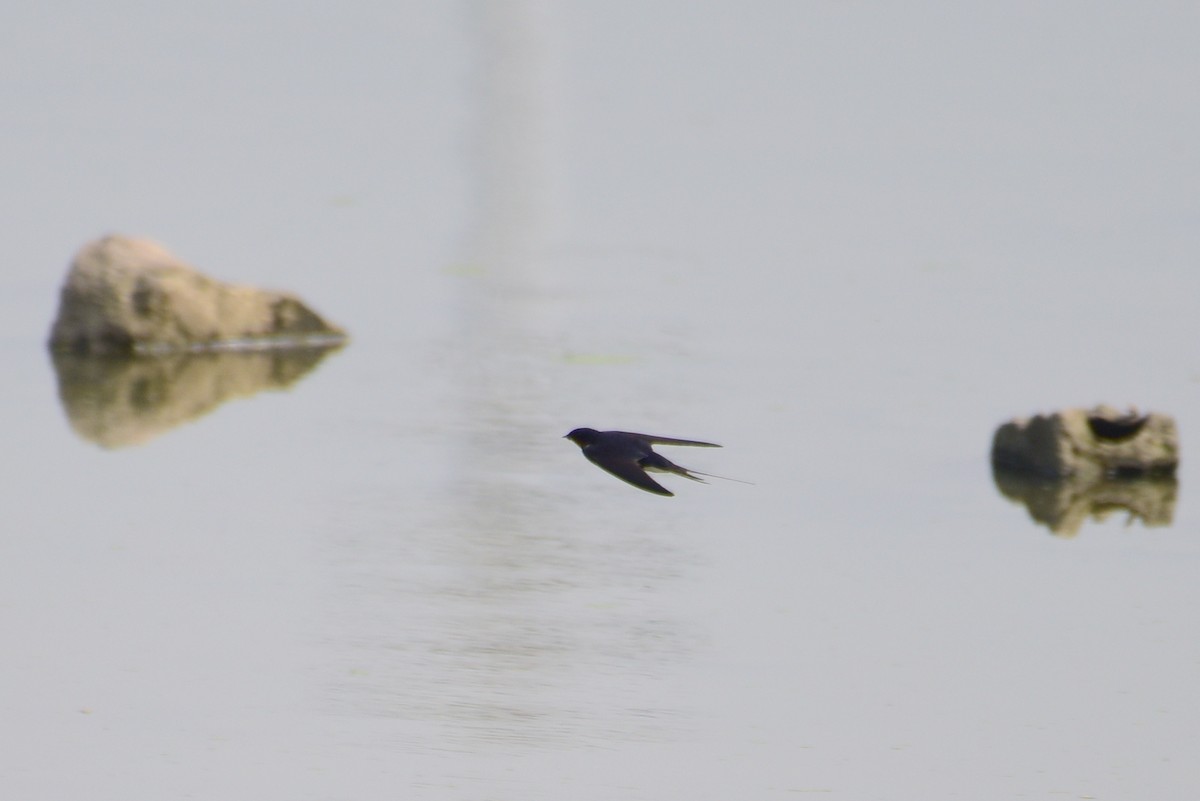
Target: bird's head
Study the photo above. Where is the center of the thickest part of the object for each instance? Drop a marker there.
(582, 436)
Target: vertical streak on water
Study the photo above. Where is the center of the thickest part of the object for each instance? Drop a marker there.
(501, 358)
(540, 630)
(506, 321)
(505, 642)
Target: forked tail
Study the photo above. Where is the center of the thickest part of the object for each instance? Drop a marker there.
(688, 474)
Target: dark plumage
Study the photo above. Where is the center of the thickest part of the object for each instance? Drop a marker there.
(628, 456)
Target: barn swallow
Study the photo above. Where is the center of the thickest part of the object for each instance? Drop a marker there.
(628, 456)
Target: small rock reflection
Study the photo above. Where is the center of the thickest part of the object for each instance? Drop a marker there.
(119, 401)
(1063, 505)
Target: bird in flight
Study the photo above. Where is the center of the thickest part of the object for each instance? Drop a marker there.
(628, 456)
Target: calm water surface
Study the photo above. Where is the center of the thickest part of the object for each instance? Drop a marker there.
(846, 243)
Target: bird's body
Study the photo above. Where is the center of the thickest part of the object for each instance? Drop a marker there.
(629, 456)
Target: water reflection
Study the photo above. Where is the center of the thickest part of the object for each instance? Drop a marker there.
(120, 401)
(511, 633)
(1063, 505)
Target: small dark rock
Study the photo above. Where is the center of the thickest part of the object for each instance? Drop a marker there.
(1094, 442)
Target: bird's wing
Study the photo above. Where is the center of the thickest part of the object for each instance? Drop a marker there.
(669, 441)
(629, 471)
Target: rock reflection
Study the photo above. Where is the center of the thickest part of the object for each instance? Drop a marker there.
(1063, 505)
(117, 402)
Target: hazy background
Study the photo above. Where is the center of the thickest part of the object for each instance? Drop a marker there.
(846, 241)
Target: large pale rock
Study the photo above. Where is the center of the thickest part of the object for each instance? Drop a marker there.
(126, 295)
(1089, 443)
